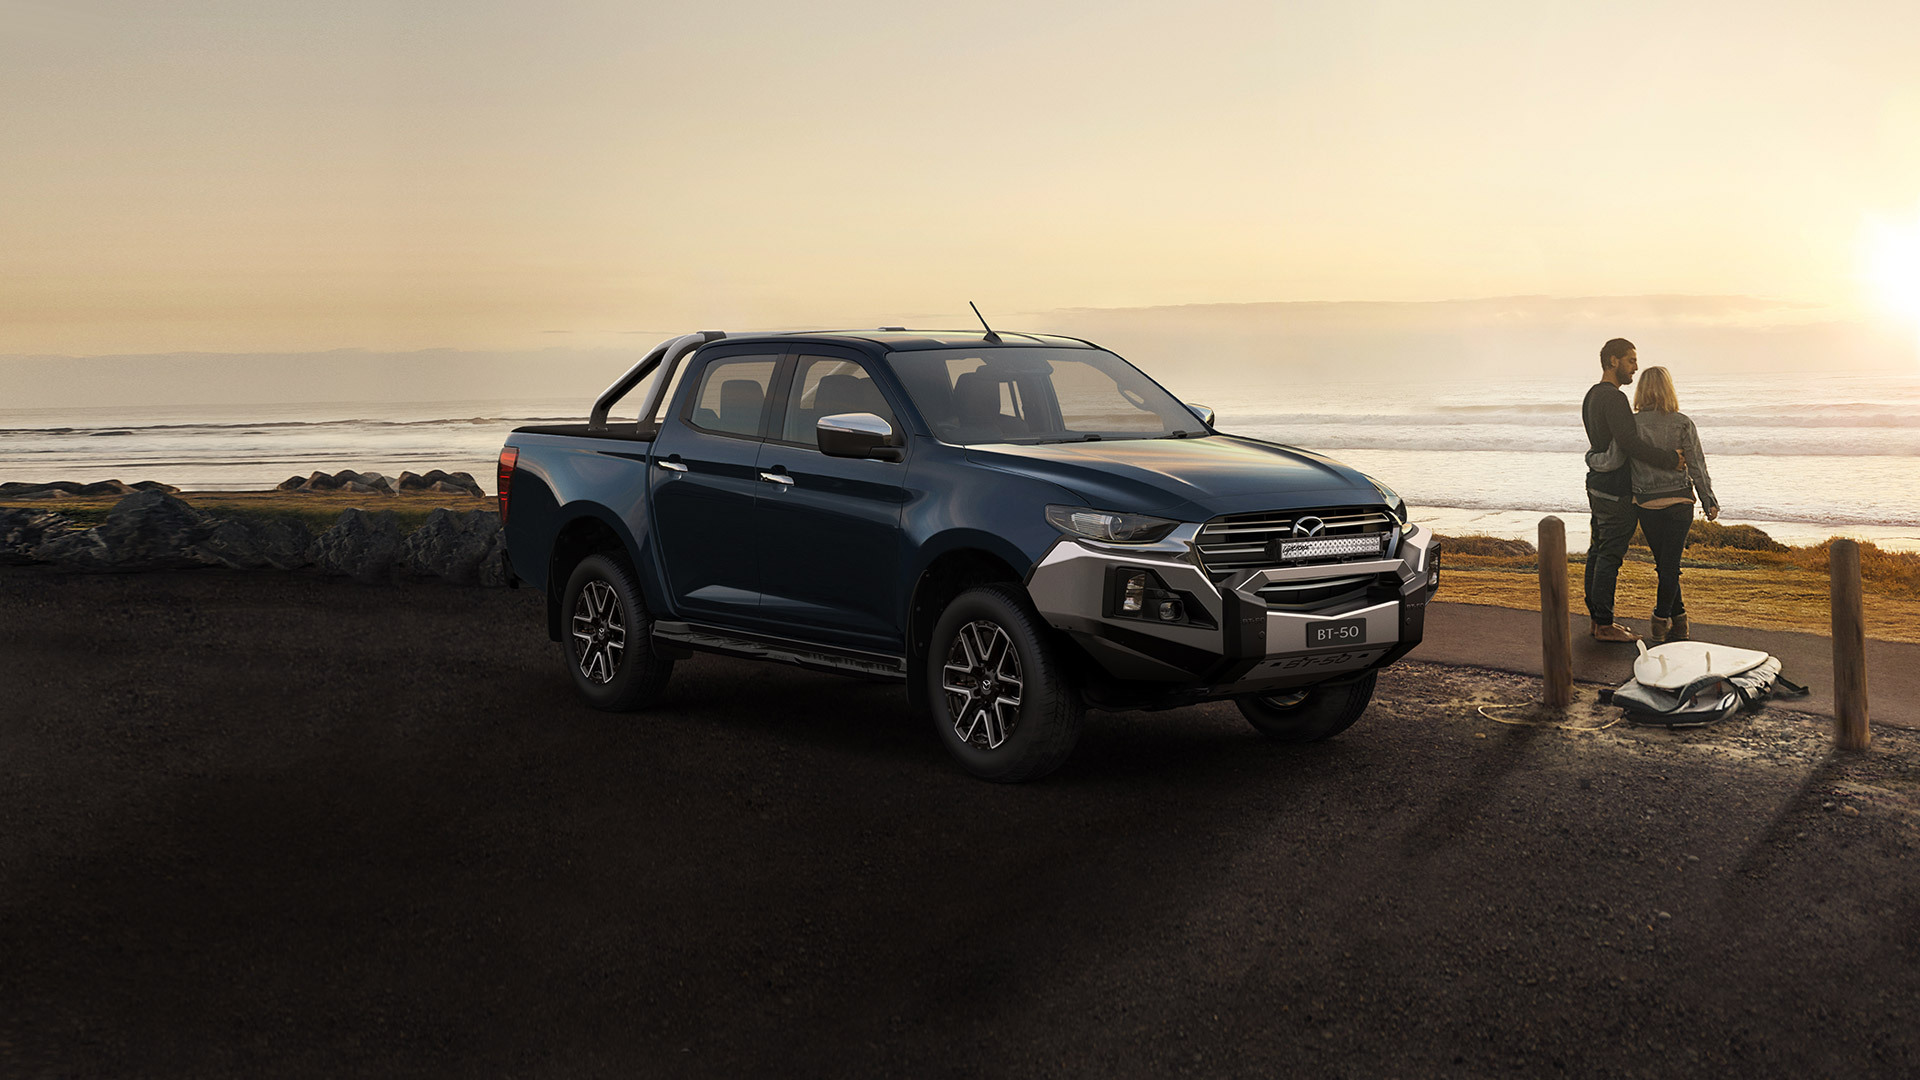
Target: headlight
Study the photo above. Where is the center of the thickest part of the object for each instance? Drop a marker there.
(1106, 525)
(1396, 505)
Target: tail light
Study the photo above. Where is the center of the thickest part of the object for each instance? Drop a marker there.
(509, 456)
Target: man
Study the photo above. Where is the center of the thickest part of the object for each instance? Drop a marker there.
(1609, 422)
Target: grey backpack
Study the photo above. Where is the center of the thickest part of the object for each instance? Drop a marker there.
(1684, 684)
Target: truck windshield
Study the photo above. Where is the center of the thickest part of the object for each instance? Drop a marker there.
(1029, 395)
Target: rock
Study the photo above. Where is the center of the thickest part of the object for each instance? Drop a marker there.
(361, 545)
(291, 483)
(358, 488)
(24, 492)
(104, 487)
(443, 482)
(148, 530)
(454, 546)
(154, 485)
(60, 489)
(493, 565)
(22, 531)
(258, 544)
(320, 481)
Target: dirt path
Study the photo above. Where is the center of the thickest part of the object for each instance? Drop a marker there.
(266, 825)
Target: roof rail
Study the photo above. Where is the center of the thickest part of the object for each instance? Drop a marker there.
(665, 353)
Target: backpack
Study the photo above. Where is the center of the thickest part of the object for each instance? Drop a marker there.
(1695, 683)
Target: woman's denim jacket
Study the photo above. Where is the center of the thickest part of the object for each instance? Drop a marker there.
(1669, 431)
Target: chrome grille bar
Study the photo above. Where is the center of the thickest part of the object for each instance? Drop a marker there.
(1239, 542)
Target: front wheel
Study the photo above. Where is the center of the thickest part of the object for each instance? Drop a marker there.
(1309, 715)
(999, 693)
(609, 637)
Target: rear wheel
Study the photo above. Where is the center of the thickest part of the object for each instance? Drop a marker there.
(1318, 712)
(998, 691)
(608, 637)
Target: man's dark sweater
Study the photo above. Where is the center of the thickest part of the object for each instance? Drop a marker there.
(1609, 419)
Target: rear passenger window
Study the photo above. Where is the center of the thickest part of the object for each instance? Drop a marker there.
(828, 386)
(733, 395)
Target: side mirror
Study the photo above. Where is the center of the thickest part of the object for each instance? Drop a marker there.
(1205, 414)
(856, 435)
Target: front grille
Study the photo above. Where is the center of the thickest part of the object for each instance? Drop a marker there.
(1240, 542)
(1304, 595)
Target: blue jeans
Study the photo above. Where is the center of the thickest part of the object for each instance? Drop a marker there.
(1666, 531)
(1613, 521)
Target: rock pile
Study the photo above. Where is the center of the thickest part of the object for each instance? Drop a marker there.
(152, 530)
(373, 483)
(69, 488)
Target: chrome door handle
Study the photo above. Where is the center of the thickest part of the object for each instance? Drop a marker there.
(778, 478)
(671, 466)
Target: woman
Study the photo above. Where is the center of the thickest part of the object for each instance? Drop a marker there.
(1663, 498)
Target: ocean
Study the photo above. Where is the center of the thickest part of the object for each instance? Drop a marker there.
(1803, 457)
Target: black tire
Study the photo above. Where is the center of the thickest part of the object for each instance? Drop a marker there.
(1298, 716)
(607, 637)
(1001, 698)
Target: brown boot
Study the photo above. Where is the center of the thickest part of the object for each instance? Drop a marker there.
(1659, 632)
(1680, 631)
(1613, 632)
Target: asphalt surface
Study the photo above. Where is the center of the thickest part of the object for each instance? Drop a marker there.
(1509, 640)
(265, 825)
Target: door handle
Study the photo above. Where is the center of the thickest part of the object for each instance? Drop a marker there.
(671, 466)
(778, 478)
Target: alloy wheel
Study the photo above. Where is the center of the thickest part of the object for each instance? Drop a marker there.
(983, 684)
(599, 632)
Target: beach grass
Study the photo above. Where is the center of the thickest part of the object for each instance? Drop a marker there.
(1730, 576)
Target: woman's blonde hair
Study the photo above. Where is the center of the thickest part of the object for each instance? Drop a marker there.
(1655, 392)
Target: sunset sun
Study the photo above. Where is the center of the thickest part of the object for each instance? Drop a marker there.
(1892, 265)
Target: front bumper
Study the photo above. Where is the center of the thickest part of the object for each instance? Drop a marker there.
(1250, 646)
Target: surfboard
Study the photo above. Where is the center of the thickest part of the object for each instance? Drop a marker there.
(1680, 663)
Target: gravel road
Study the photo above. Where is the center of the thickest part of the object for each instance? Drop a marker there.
(267, 825)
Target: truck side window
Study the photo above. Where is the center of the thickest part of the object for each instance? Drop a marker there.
(829, 386)
(652, 423)
(733, 395)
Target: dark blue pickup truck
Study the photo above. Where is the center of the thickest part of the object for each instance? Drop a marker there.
(1018, 526)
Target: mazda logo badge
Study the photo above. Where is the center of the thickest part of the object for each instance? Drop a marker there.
(1308, 526)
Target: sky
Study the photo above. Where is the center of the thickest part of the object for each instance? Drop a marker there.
(272, 176)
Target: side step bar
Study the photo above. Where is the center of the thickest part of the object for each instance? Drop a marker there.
(732, 643)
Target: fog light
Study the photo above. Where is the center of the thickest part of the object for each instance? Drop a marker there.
(1170, 611)
(1133, 594)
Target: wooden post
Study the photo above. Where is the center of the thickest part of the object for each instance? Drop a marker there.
(1849, 649)
(1556, 636)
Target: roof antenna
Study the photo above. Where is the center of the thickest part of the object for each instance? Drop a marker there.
(991, 336)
